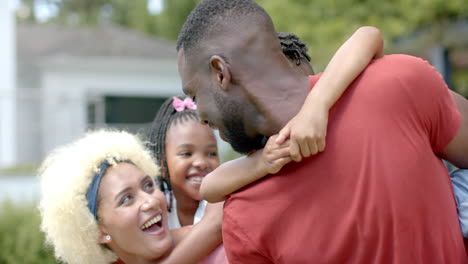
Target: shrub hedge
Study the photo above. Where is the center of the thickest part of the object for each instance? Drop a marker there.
(21, 240)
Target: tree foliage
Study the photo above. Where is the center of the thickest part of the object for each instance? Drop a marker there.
(322, 24)
(325, 24)
(132, 14)
(175, 12)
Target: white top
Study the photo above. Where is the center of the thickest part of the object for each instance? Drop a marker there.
(173, 218)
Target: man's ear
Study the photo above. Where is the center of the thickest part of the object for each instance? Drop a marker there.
(220, 71)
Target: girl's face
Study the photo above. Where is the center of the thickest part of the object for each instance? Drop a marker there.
(191, 153)
(133, 212)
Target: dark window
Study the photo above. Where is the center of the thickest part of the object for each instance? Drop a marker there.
(131, 110)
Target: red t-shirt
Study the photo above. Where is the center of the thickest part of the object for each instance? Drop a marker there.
(377, 194)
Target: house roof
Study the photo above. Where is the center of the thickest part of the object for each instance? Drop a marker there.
(49, 40)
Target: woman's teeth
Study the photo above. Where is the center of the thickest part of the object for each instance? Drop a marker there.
(151, 222)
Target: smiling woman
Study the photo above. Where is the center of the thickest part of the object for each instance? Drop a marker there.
(103, 187)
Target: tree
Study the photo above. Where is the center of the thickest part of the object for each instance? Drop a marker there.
(170, 21)
(83, 12)
(325, 24)
(322, 24)
(25, 12)
(132, 14)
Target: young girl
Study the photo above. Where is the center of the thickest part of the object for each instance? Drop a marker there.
(99, 203)
(186, 151)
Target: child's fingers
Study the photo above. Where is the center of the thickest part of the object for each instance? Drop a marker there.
(283, 135)
(271, 145)
(321, 145)
(305, 149)
(280, 153)
(278, 164)
(285, 144)
(313, 148)
(283, 161)
(272, 156)
(295, 151)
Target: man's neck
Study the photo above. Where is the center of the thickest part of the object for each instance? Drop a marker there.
(282, 100)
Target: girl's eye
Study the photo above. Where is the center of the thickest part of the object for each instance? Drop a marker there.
(185, 154)
(212, 154)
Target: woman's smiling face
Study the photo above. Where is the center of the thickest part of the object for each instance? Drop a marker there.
(133, 212)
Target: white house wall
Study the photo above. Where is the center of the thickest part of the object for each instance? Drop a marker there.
(8, 146)
(68, 83)
(29, 125)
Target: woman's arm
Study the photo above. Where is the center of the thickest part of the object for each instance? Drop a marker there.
(235, 174)
(193, 244)
(307, 130)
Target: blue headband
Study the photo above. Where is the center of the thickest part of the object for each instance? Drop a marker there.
(92, 193)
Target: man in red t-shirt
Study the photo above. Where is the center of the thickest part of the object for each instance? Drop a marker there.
(379, 193)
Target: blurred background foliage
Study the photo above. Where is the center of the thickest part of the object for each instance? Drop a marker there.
(20, 238)
(322, 24)
(325, 24)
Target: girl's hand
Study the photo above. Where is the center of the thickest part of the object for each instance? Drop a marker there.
(273, 156)
(306, 131)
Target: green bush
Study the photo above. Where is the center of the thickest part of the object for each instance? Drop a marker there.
(20, 238)
(20, 169)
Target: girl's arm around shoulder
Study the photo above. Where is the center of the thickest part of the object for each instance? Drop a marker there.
(308, 129)
(235, 174)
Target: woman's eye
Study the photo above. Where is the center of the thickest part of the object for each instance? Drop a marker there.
(125, 199)
(149, 186)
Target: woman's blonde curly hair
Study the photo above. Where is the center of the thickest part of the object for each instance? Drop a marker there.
(66, 175)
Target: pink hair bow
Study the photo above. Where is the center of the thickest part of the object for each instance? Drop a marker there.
(180, 105)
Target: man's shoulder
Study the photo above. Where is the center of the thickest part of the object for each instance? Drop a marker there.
(401, 58)
(400, 63)
(396, 72)
(388, 67)
(258, 196)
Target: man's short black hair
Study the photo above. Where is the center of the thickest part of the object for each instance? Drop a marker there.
(208, 15)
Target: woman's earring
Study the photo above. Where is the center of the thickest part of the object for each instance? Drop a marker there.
(108, 238)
